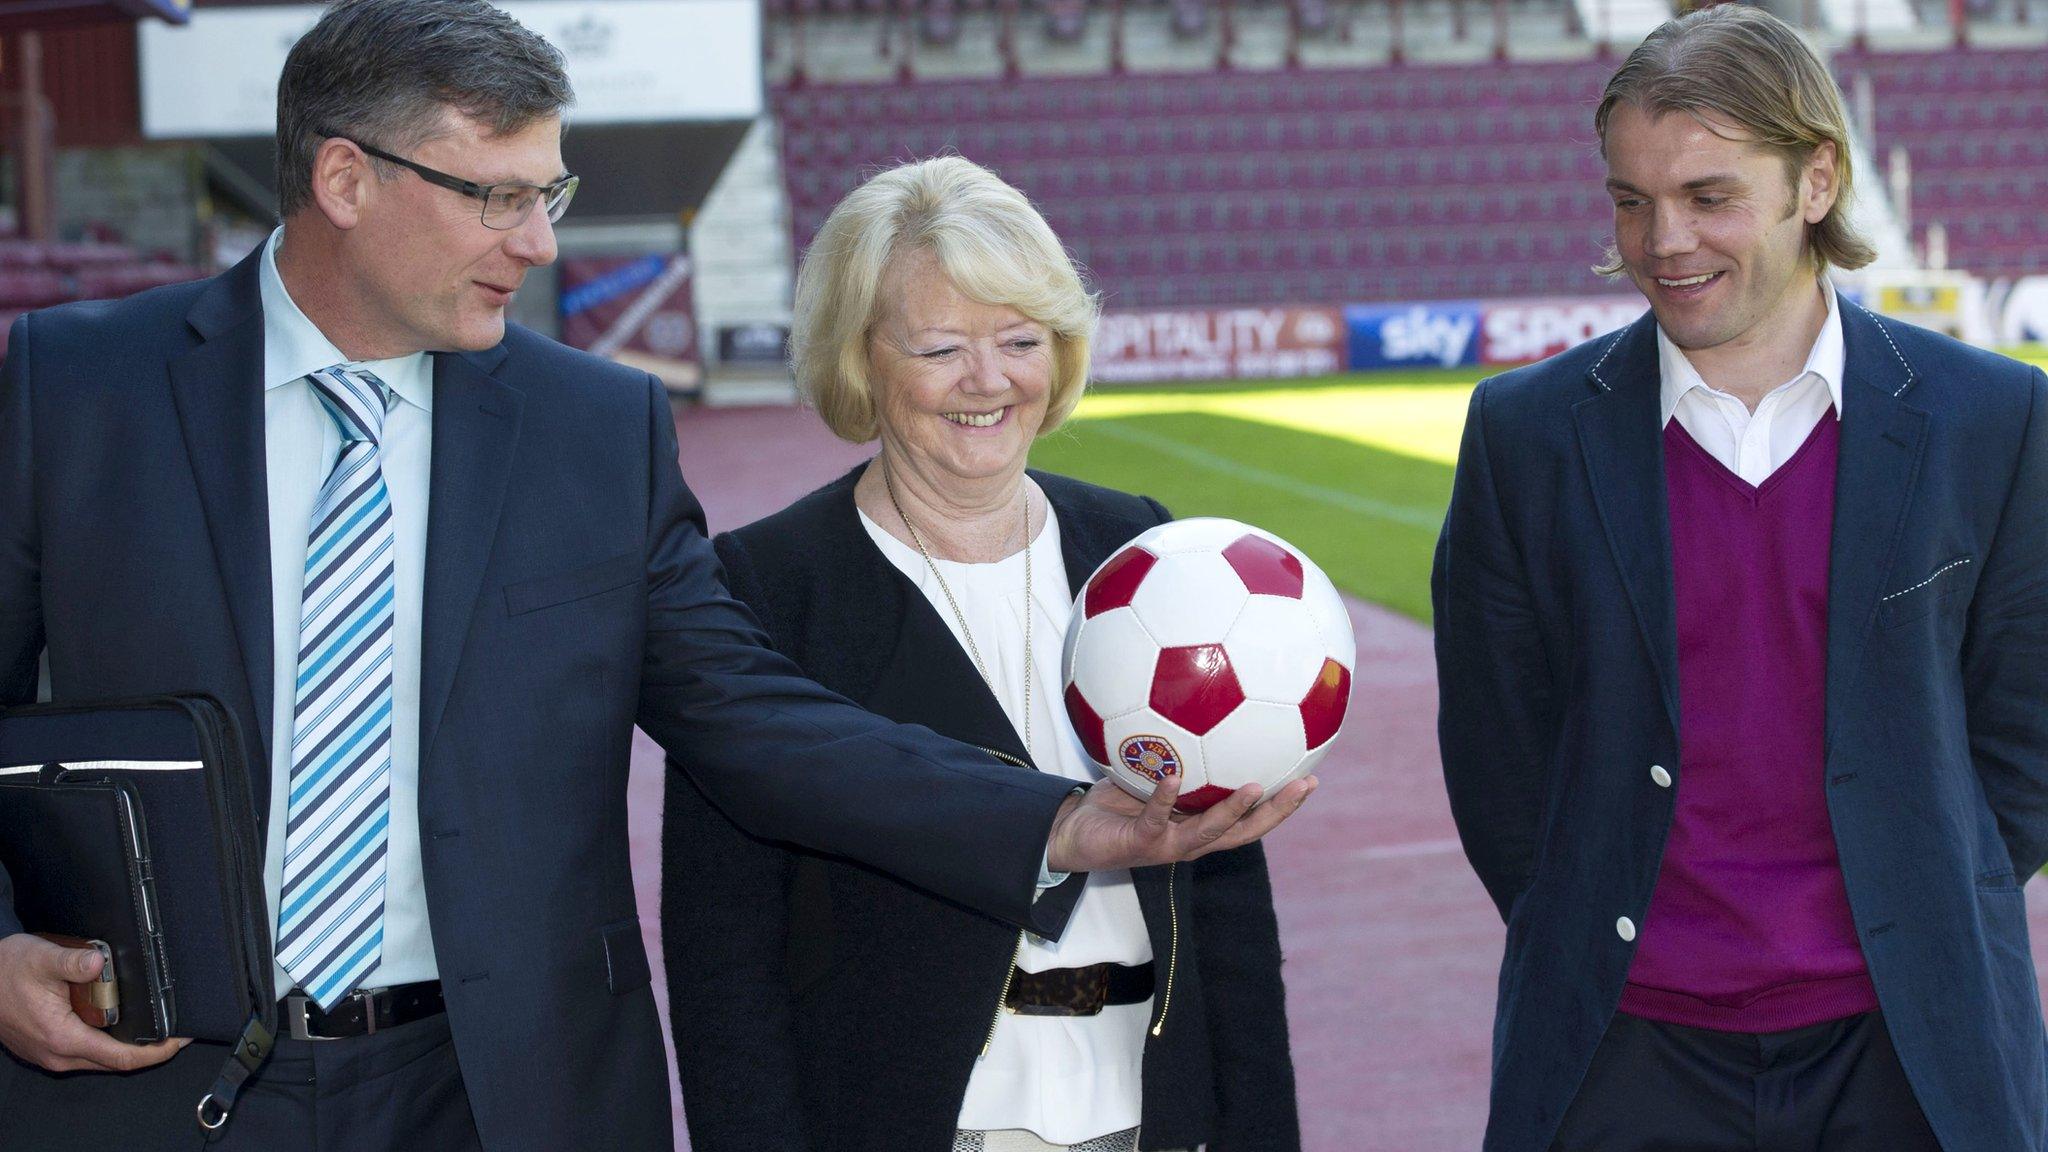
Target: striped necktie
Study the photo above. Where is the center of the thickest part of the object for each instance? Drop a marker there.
(330, 926)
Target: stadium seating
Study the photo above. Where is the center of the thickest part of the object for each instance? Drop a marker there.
(1403, 183)
(1974, 123)
(34, 275)
(1062, 20)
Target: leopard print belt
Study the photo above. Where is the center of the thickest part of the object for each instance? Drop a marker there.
(1077, 991)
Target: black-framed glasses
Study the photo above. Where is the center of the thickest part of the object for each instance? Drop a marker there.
(505, 206)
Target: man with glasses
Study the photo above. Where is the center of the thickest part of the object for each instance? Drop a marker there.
(503, 207)
(439, 567)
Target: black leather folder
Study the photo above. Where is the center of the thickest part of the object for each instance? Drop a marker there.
(131, 822)
(76, 847)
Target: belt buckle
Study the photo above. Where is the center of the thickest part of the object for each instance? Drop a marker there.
(298, 1009)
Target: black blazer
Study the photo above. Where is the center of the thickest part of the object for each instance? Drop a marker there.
(821, 1005)
(1556, 642)
(570, 594)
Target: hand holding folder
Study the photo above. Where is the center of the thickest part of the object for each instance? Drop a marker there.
(37, 1022)
(130, 823)
(96, 1001)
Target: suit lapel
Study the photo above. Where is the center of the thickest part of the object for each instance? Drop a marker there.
(900, 681)
(1087, 537)
(1879, 467)
(926, 677)
(931, 680)
(218, 390)
(476, 430)
(1621, 435)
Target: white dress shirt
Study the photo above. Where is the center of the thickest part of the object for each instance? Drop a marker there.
(1065, 1078)
(301, 443)
(1755, 444)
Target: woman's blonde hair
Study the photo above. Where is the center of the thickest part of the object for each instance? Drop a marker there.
(1746, 66)
(990, 242)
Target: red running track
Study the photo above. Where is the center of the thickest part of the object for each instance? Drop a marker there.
(1391, 944)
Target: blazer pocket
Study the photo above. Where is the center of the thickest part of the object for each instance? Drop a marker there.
(625, 957)
(1911, 603)
(576, 584)
(1998, 880)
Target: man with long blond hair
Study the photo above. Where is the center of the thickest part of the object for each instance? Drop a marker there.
(1742, 637)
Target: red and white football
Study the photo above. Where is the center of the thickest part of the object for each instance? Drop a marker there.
(1211, 650)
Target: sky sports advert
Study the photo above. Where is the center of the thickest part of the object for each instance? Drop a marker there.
(1463, 333)
(1143, 346)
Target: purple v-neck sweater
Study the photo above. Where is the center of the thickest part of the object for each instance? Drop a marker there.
(1748, 929)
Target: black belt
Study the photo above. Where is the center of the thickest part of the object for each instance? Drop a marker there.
(1077, 991)
(362, 1012)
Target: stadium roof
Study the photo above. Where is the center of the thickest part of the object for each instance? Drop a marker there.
(27, 15)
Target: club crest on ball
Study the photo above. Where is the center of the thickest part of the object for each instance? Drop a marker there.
(1150, 756)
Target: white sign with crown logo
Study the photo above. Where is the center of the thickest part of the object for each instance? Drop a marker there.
(631, 61)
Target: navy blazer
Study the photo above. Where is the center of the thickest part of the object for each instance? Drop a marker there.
(570, 594)
(829, 1008)
(1557, 660)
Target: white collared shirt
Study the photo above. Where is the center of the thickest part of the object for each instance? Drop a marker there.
(1755, 444)
(301, 443)
(1065, 1078)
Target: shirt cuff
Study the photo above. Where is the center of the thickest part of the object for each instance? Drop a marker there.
(1047, 878)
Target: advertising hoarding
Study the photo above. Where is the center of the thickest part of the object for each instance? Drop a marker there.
(1218, 344)
(1438, 335)
(760, 344)
(1518, 331)
(2024, 317)
(636, 310)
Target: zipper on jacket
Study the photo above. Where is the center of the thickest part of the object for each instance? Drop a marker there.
(1172, 949)
(1172, 961)
(1009, 978)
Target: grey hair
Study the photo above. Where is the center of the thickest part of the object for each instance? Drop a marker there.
(386, 72)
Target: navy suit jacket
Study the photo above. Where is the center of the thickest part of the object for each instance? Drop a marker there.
(1557, 661)
(570, 593)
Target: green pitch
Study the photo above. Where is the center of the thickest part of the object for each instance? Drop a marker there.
(1354, 470)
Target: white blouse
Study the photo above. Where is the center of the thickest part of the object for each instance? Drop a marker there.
(1065, 1078)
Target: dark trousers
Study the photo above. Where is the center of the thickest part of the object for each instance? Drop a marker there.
(393, 1091)
(1834, 1087)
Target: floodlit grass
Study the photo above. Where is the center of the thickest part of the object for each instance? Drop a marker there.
(1355, 474)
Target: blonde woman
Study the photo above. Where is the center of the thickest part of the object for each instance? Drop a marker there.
(939, 317)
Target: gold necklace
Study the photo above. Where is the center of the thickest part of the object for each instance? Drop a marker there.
(966, 633)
